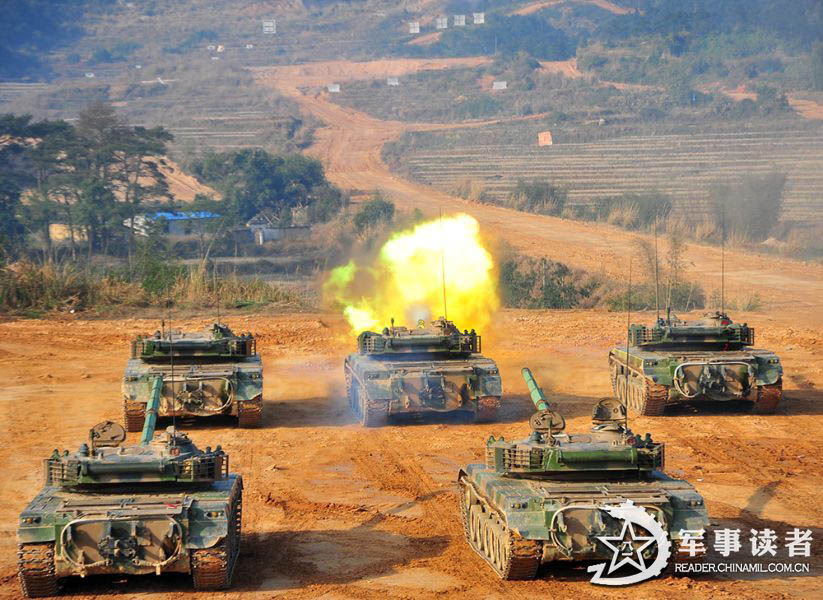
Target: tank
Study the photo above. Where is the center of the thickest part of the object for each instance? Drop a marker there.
(546, 498)
(215, 372)
(161, 506)
(677, 361)
(429, 369)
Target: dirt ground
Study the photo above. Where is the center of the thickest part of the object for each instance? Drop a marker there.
(333, 510)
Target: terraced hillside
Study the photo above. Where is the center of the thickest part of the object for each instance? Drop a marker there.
(682, 165)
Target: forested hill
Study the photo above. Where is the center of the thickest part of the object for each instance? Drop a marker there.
(41, 39)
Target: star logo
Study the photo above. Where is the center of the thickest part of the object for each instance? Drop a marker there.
(628, 547)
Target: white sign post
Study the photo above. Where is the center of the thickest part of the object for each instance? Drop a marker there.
(270, 26)
(479, 18)
(414, 27)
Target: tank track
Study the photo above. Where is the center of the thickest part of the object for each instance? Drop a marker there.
(213, 568)
(487, 407)
(35, 569)
(134, 415)
(249, 414)
(768, 397)
(509, 555)
(642, 396)
(370, 414)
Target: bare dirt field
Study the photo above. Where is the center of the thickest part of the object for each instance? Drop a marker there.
(337, 511)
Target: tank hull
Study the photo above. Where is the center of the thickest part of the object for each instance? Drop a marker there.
(65, 532)
(518, 524)
(196, 388)
(653, 379)
(378, 388)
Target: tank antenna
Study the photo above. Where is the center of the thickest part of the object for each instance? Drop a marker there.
(722, 259)
(628, 329)
(443, 267)
(171, 365)
(656, 271)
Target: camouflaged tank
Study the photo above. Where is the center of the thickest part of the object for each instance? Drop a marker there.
(162, 506)
(678, 361)
(422, 370)
(215, 373)
(548, 497)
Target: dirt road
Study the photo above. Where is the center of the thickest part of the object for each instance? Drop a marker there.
(350, 147)
(336, 511)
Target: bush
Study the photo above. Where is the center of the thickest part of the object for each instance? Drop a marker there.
(538, 196)
(527, 282)
(373, 212)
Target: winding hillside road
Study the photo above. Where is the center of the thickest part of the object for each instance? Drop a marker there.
(350, 144)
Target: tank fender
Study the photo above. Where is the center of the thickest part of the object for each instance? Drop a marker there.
(689, 512)
(489, 385)
(768, 372)
(41, 533)
(207, 530)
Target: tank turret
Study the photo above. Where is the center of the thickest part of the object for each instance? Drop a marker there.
(167, 457)
(549, 497)
(549, 451)
(714, 329)
(217, 342)
(441, 337)
(427, 369)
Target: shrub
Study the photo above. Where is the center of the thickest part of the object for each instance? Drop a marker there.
(374, 211)
(538, 196)
(527, 282)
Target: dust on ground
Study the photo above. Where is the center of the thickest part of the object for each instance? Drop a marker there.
(333, 510)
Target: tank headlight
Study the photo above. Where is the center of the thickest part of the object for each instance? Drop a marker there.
(492, 371)
(214, 514)
(372, 375)
(30, 520)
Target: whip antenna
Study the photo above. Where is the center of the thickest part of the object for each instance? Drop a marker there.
(656, 272)
(443, 268)
(722, 259)
(171, 361)
(628, 329)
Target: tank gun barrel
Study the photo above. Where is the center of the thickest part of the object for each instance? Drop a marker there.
(152, 406)
(538, 398)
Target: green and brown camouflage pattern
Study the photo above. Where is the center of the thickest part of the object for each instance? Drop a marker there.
(434, 369)
(215, 372)
(678, 361)
(157, 507)
(546, 495)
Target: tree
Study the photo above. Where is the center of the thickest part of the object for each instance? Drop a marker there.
(374, 211)
(253, 180)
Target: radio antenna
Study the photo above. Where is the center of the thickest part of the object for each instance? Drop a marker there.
(722, 259)
(628, 329)
(656, 271)
(443, 267)
(171, 361)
